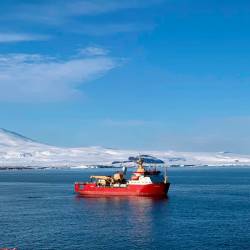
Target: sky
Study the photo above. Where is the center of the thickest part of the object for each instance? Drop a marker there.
(152, 74)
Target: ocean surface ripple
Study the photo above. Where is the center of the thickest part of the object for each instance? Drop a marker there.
(205, 209)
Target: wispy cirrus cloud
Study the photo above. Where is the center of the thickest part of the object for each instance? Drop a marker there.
(21, 37)
(111, 28)
(34, 77)
(93, 51)
(56, 12)
(67, 15)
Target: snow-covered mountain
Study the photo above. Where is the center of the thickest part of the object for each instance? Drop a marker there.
(8, 139)
(19, 151)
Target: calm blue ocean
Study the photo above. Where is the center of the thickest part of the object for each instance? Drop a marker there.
(206, 209)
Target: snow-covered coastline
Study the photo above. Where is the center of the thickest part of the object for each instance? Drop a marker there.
(17, 152)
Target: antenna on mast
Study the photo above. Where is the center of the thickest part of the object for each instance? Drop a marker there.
(165, 173)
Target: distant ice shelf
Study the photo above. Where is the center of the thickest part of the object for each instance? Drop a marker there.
(18, 151)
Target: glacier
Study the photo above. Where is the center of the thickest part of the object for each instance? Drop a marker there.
(18, 151)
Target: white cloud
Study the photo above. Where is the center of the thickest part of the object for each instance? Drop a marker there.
(16, 37)
(31, 77)
(57, 11)
(110, 28)
(93, 51)
(66, 15)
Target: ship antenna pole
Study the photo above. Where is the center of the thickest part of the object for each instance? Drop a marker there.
(165, 173)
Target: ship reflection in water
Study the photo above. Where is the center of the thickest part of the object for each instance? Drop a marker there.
(135, 216)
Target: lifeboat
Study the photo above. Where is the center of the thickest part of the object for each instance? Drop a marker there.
(143, 182)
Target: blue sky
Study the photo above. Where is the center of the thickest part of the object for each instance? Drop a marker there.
(152, 74)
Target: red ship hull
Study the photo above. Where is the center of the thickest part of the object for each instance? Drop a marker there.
(91, 189)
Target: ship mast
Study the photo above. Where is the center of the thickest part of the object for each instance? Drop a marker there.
(165, 173)
(140, 168)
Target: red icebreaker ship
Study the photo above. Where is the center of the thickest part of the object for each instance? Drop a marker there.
(143, 182)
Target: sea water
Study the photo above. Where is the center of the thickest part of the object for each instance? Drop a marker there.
(207, 208)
